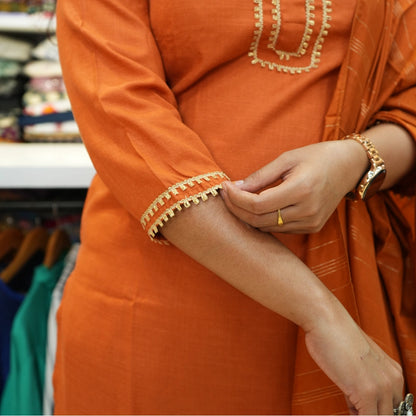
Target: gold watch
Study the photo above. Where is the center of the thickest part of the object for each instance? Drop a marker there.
(372, 180)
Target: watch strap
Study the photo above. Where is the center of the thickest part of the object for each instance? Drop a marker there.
(373, 178)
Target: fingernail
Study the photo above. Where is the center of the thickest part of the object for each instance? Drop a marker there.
(238, 183)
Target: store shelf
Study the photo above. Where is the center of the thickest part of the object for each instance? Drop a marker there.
(26, 23)
(45, 165)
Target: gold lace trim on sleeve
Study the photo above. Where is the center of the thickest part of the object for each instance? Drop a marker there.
(166, 208)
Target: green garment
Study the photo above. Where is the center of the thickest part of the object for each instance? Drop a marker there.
(23, 392)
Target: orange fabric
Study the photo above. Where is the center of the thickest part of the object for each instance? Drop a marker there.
(168, 91)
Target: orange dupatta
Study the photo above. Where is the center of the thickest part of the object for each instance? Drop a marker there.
(377, 83)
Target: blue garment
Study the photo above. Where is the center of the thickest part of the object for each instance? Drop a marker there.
(23, 391)
(10, 302)
(23, 279)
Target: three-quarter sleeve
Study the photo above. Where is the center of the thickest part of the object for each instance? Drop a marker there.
(128, 116)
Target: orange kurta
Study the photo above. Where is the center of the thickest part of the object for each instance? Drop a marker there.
(172, 97)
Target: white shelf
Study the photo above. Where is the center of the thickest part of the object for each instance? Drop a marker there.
(45, 165)
(26, 23)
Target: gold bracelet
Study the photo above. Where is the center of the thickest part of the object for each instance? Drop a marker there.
(372, 180)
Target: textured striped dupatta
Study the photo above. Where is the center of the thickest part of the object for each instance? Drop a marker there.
(377, 82)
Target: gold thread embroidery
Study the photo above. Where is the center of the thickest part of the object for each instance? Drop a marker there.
(304, 44)
(173, 190)
(170, 212)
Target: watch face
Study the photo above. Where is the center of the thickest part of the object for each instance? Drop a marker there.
(373, 184)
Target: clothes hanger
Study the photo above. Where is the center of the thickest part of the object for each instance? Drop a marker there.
(59, 242)
(34, 241)
(10, 240)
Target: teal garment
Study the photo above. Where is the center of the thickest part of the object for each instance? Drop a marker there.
(23, 392)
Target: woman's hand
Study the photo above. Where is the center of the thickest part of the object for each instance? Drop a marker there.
(371, 381)
(307, 184)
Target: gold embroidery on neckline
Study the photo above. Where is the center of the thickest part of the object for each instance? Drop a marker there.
(286, 56)
(159, 202)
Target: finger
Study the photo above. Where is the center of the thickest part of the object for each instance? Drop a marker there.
(293, 217)
(266, 222)
(385, 406)
(246, 216)
(352, 409)
(369, 408)
(397, 399)
(277, 221)
(398, 392)
(283, 220)
(266, 202)
(246, 201)
(266, 175)
(294, 227)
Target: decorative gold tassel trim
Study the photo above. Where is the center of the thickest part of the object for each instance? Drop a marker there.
(170, 212)
(163, 198)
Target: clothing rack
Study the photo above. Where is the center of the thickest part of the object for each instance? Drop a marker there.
(53, 206)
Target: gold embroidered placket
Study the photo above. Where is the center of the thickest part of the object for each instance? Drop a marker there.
(288, 56)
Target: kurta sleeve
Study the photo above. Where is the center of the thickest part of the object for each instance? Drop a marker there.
(398, 89)
(128, 116)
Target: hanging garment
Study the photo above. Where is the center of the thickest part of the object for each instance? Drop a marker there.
(23, 392)
(69, 264)
(10, 302)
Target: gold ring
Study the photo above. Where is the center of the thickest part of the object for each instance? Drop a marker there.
(279, 218)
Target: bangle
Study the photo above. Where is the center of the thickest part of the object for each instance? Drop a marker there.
(372, 180)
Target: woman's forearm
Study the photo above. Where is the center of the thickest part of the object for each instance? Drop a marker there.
(254, 262)
(260, 266)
